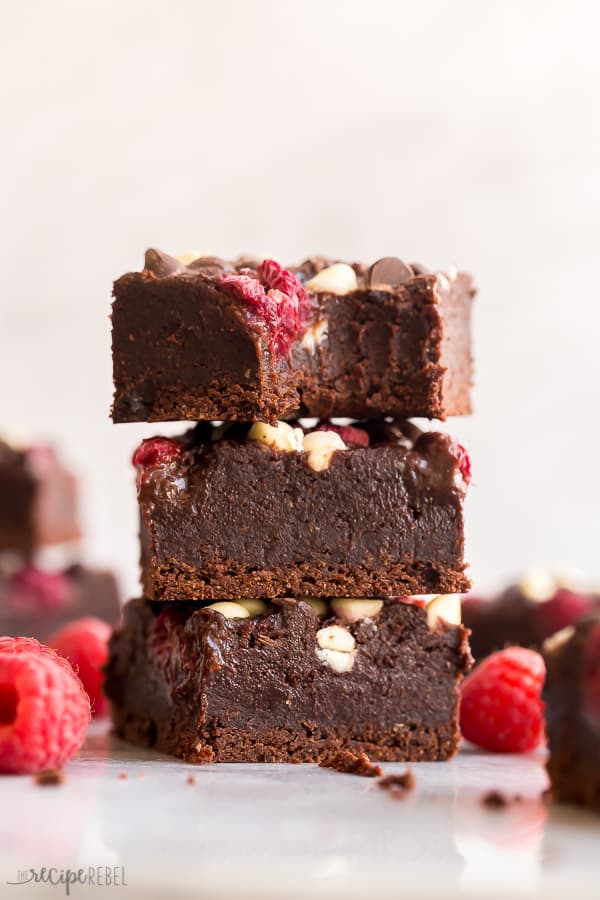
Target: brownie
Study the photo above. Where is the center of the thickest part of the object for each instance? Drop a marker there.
(368, 511)
(189, 681)
(248, 341)
(524, 614)
(38, 499)
(572, 697)
(35, 603)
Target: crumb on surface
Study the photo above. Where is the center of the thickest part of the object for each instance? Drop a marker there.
(398, 783)
(123, 776)
(351, 764)
(191, 779)
(51, 778)
(495, 800)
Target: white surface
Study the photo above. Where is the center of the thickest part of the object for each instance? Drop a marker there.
(299, 831)
(445, 132)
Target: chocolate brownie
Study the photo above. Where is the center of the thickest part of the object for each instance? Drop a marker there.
(524, 614)
(38, 499)
(286, 685)
(249, 341)
(368, 511)
(572, 697)
(35, 603)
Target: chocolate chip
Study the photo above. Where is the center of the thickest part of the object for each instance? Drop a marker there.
(419, 269)
(388, 273)
(209, 265)
(161, 264)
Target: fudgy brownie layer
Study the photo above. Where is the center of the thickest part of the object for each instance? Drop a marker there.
(186, 680)
(228, 516)
(572, 698)
(187, 346)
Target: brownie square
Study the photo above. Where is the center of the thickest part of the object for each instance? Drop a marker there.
(38, 499)
(189, 681)
(248, 341)
(572, 697)
(275, 512)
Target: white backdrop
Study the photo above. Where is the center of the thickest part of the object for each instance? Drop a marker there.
(459, 132)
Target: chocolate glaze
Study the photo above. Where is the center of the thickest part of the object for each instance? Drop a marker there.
(190, 682)
(185, 349)
(234, 517)
(572, 698)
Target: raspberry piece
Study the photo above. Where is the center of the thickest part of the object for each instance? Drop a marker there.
(501, 707)
(464, 460)
(563, 609)
(44, 711)
(156, 451)
(84, 642)
(353, 437)
(277, 296)
(34, 590)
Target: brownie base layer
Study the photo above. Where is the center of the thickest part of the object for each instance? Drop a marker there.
(175, 580)
(187, 681)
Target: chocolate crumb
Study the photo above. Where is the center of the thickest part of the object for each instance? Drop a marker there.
(123, 776)
(191, 779)
(495, 800)
(51, 778)
(398, 783)
(352, 764)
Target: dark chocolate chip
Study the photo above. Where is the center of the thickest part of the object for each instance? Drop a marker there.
(210, 265)
(162, 264)
(388, 273)
(419, 268)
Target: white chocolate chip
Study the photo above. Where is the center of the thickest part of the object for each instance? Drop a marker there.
(315, 335)
(319, 606)
(443, 282)
(538, 585)
(452, 273)
(337, 279)
(336, 660)
(320, 446)
(555, 641)
(446, 607)
(280, 436)
(352, 610)
(253, 607)
(187, 258)
(229, 609)
(334, 637)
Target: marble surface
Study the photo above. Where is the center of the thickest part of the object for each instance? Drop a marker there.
(297, 831)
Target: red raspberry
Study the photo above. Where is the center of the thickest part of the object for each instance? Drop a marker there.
(353, 437)
(563, 609)
(156, 451)
(277, 296)
(501, 707)
(464, 460)
(44, 711)
(34, 590)
(84, 642)
(412, 601)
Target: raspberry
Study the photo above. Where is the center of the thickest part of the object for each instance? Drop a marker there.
(156, 451)
(353, 437)
(277, 296)
(84, 642)
(464, 460)
(34, 590)
(563, 609)
(44, 711)
(501, 707)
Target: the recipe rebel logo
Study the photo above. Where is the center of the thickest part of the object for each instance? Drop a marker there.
(92, 876)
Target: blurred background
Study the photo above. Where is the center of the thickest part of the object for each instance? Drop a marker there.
(457, 132)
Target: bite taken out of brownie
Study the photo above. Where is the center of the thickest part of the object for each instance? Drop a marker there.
(288, 681)
(572, 697)
(370, 510)
(201, 339)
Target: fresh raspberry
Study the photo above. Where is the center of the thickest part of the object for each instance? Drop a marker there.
(156, 451)
(84, 642)
(34, 590)
(412, 601)
(563, 609)
(501, 707)
(277, 296)
(464, 460)
(44, 711)
(353, 437)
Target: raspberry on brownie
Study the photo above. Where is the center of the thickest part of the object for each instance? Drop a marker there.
(249, 340)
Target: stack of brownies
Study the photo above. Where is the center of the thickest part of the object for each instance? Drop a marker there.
(39, 517)
(286, 554)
